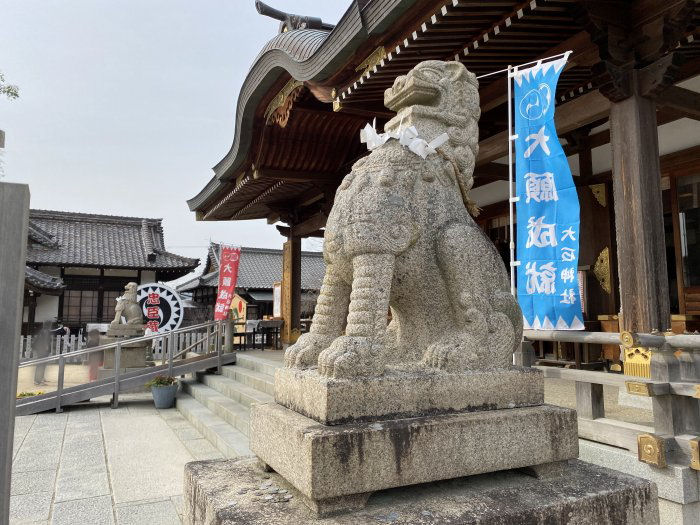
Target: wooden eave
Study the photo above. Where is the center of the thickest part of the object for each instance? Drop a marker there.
(286, 169)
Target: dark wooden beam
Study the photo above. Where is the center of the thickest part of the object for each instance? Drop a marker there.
(291, 290)
(286, 231)
(639, 220)
(295, 176)
(310, 225)
(681, 99)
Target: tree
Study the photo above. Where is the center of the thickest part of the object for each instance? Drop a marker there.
(9, 90)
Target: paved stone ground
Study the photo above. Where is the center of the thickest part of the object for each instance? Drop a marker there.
(93, 465)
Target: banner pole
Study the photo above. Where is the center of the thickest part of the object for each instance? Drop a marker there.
(510, 182)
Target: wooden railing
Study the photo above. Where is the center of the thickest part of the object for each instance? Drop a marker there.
(674, 388)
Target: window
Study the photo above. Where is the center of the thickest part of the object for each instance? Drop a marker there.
(109, 304)
(80, 306)
(689, 222)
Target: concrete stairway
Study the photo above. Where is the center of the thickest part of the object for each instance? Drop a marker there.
(219, 405)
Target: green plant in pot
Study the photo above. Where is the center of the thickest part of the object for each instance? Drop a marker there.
(163, 389)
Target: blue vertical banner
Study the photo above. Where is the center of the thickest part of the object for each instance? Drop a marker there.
(547, 209)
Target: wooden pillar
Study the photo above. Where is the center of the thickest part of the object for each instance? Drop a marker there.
(291, 290)
(639, 222)
(14, 215)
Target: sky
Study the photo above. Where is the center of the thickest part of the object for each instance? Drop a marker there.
(125, 105)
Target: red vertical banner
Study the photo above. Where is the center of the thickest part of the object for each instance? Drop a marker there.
(228, 275)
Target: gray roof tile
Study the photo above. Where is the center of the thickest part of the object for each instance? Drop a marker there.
(85, 239)
(41, 282)
(261, 268)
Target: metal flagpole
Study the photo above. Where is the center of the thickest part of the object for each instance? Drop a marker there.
(511, 197)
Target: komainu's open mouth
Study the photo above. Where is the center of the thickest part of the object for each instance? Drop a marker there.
(410, 90)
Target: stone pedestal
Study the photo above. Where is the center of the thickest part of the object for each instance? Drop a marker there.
(414, 446)
(398, 452)
(406, 391)
(133, 355)
(227, 492)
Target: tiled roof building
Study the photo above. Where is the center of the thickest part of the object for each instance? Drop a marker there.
(84, 239)
(78, 263)
(259, 269)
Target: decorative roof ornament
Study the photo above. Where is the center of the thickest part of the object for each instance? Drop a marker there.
(407, 137)
(289, 21)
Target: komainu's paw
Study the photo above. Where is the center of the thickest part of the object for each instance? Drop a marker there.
(304, 353)
(352, 357)
(449, 359)
(456, 354)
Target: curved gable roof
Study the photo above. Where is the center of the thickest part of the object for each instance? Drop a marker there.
(307, 55)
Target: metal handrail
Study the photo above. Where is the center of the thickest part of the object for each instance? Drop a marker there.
(196, 343)
(626, 339)
(110, 346)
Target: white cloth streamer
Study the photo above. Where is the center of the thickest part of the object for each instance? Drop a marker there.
(407, 137)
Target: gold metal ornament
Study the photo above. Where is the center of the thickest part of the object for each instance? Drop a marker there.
(695, 453)
(651, 450)
(638, 388)
(637, 361)
(277, 111)
(372, 61)
(601, 270)
(598, 191)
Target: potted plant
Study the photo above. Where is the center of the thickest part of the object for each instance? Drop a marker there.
(163, 389)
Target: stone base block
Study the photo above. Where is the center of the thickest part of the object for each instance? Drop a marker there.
(405, 392)
(228, 492)
(126, 330)
(678, 485)
(131, 357)
(330, 461)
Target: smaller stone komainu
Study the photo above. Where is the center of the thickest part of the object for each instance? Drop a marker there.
(400, 236)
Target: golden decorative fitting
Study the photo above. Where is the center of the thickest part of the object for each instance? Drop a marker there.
(697, 392)
(638, 388)
(615, 368)
(278, 109)
(337, 106)
(334, 93)
(372, 61)
(637, 361)
(598, 191)
(601, 269)
(651, 450)
(695, 453)
(629, 339)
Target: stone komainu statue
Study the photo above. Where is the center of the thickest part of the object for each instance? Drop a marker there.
(128, 307)
(400, 236)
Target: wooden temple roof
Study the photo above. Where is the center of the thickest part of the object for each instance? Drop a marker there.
(310, 91)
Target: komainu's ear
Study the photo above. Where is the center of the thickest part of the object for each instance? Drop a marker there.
(455, 70)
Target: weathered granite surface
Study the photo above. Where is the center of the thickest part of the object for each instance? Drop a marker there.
(237, 491)
(394, 453)
(406, 392)
(400, 236)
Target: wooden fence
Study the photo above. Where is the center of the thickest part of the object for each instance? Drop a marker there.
(60, 344)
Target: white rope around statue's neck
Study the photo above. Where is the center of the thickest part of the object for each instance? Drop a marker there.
(407, 137)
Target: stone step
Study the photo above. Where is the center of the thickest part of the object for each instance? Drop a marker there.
(259, 363)
(239, 392)
(229, 441)
(232, 412)
(258, 380)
